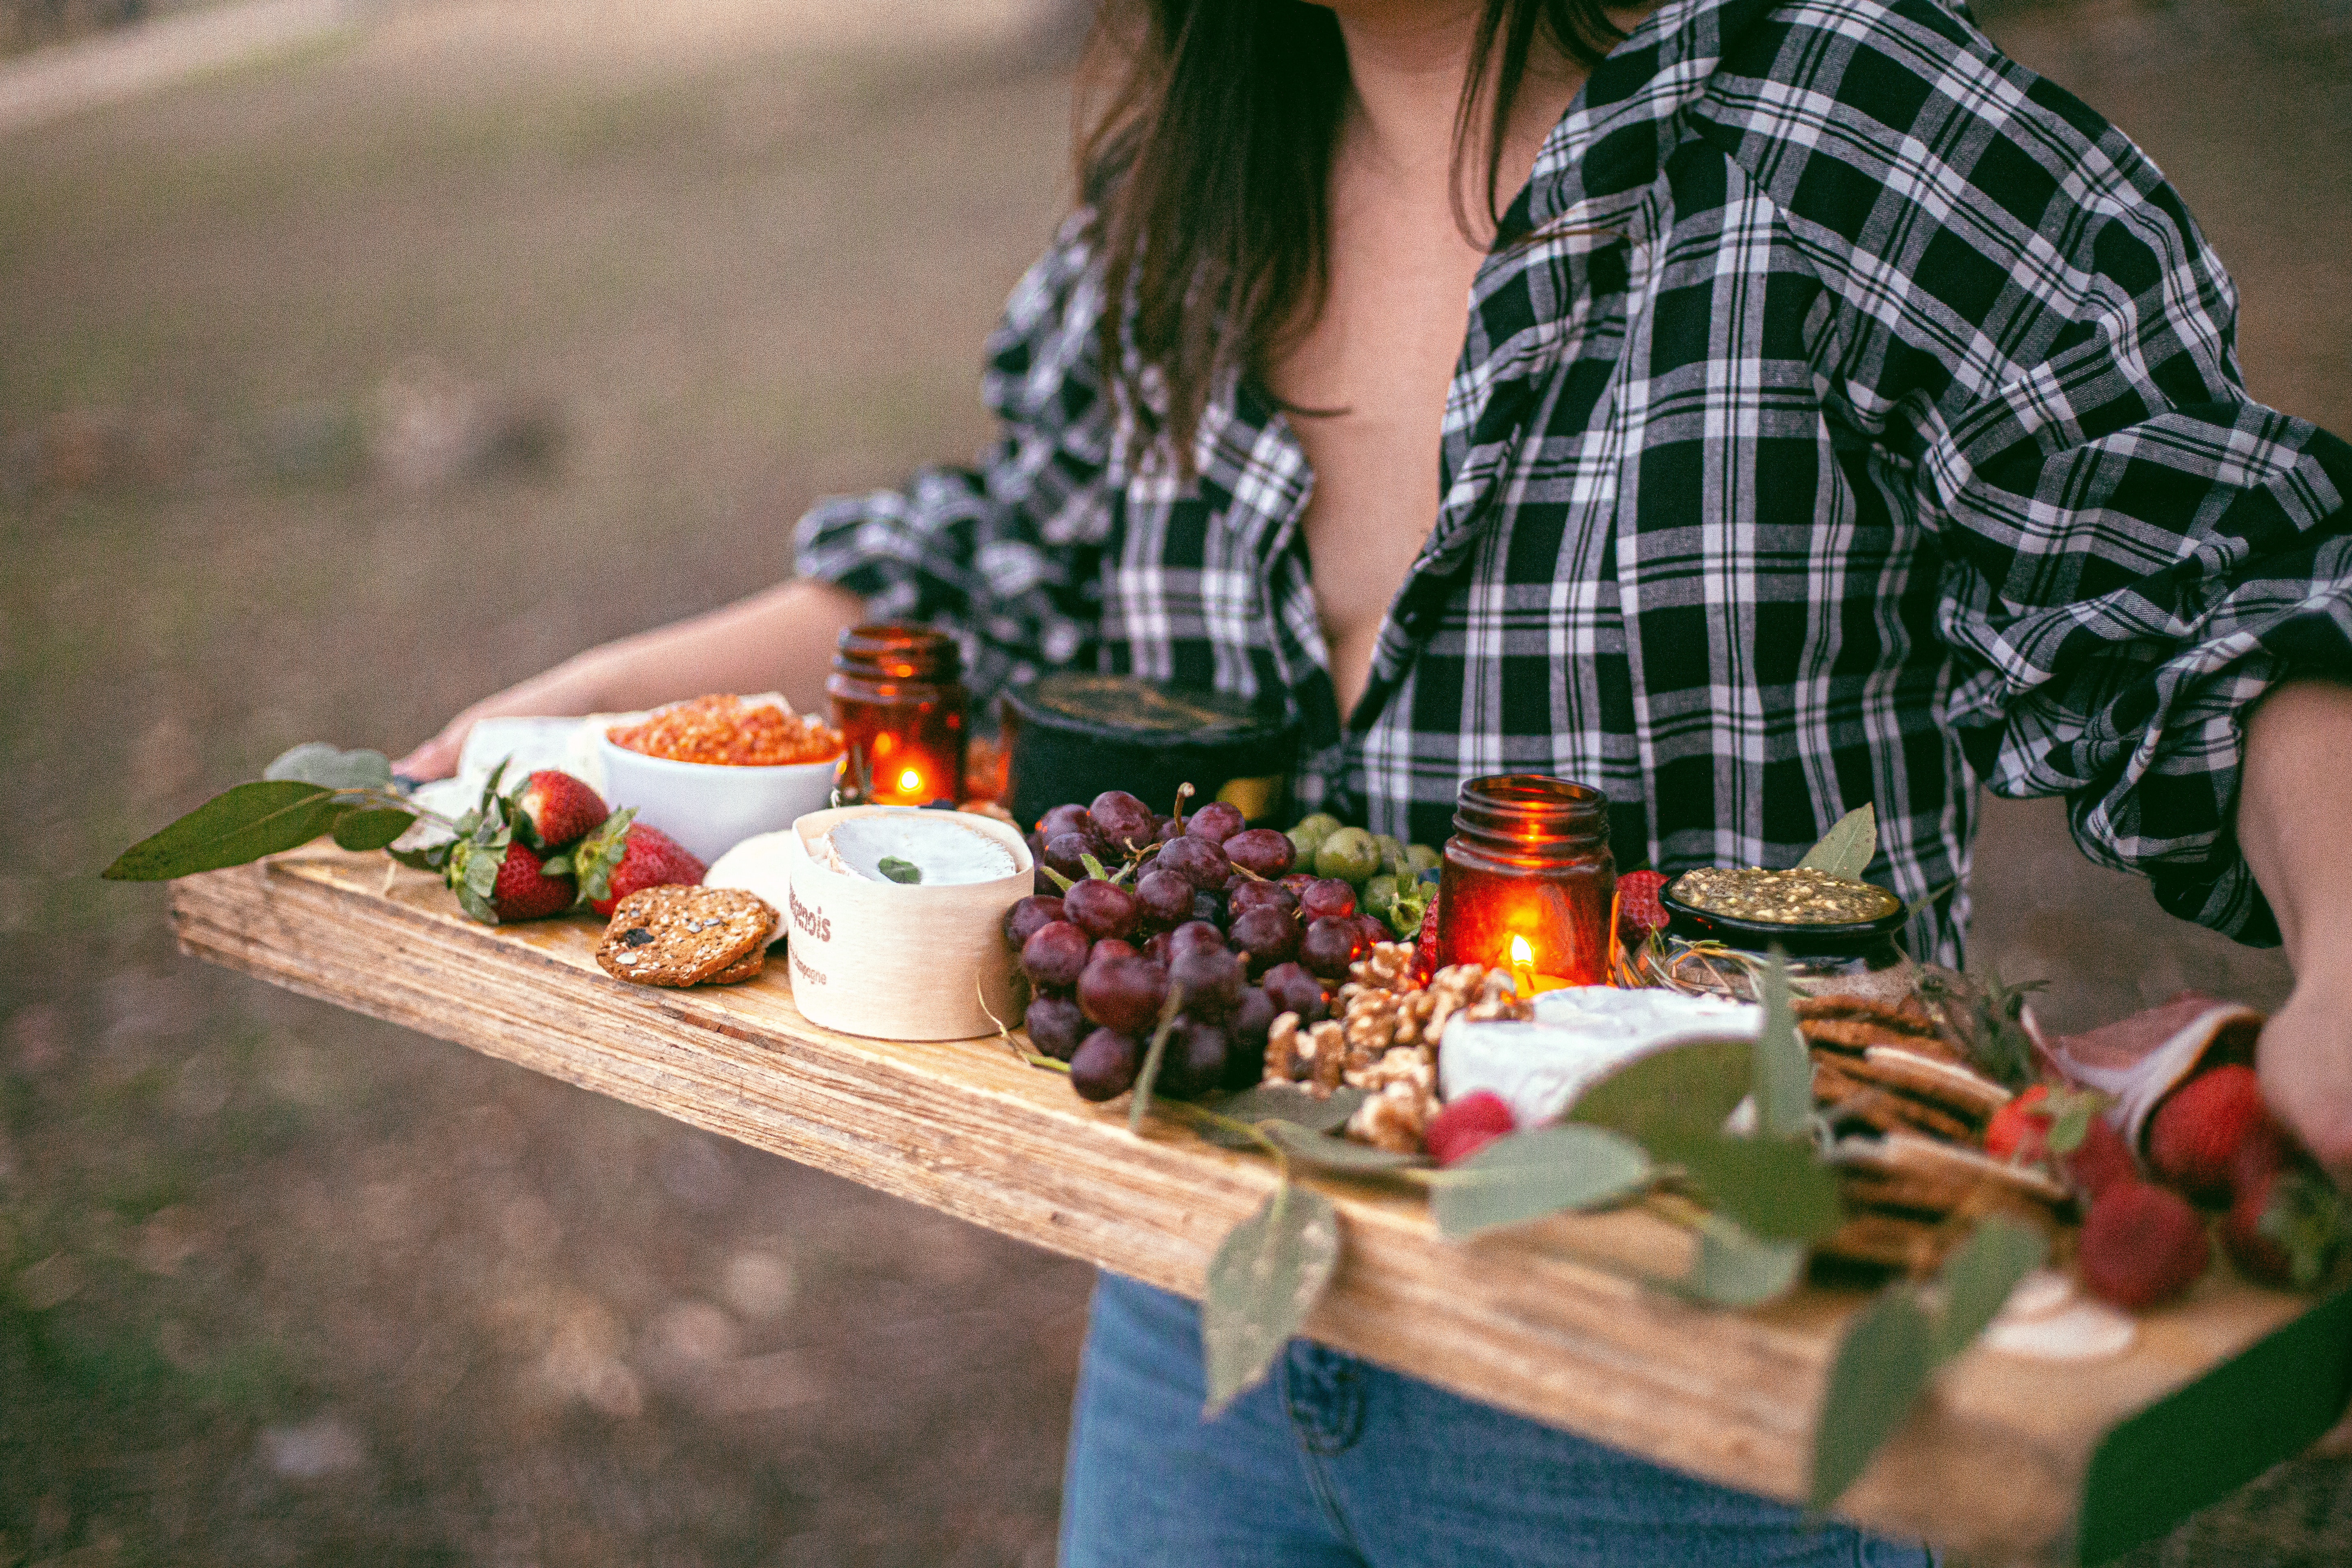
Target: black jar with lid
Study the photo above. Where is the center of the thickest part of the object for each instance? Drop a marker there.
(1074, 734)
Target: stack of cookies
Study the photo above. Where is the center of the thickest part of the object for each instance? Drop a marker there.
(1913, 1113)
(687, 936)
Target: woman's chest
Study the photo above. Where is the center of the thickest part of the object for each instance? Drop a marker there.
(1365, 385)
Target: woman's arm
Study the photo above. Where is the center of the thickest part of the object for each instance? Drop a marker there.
(2294, 825)
(781, 639)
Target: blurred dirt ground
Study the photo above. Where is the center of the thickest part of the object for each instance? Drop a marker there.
(341, 387)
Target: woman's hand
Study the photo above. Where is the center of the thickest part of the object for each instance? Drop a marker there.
(781, 639)
(2292, 812)
(567, 689)
(2305, 1063)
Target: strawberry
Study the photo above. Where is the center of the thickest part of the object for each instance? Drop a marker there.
(2194, 1137)
(1640, 915)
(553, 809)
(626, 856)
(502, 881)
(2141, 1244)
(1465, 1126)
(2102, 1161)
(2285, 1223)
(1424, 946)
(2019, 1130)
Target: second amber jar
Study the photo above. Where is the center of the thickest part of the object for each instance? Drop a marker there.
(1529, 881)
(898, 701)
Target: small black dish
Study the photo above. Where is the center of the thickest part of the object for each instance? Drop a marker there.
(1803, 942)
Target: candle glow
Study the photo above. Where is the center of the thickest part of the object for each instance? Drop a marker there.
(1527, 882)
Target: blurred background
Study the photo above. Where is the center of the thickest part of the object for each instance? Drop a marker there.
(360, 356)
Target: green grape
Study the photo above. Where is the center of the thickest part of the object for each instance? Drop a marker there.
(1421, 858)
(1351, 855)
(1378, 894)
(1312, 830)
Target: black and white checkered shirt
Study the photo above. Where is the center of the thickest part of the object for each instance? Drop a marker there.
(1847, 414)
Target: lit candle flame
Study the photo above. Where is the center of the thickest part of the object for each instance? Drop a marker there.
(910, 782)
(1524, 977)
(1523, 968)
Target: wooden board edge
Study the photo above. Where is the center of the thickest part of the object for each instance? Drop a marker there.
(243, 918)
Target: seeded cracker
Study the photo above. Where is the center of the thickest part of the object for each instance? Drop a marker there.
(685, 936)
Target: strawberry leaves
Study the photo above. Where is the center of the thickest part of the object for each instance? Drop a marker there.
(593, 858)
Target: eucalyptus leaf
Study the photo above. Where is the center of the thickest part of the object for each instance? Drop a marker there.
(1668, 1098)
(1778, 1189)
(1526, 1176)
(1267, 1276)
(1847, 850)
(233, 828)
(1734, 1269)
(1980, 1276)
(318, 762)
(1326, 1152)
(1883, 1362)
(1781, 1070)
(372, 827)
(1279, 1102)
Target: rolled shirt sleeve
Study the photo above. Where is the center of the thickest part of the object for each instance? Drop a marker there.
(2133, 550)
(1005, 553)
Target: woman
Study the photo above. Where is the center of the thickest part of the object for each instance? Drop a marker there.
(1838, 414)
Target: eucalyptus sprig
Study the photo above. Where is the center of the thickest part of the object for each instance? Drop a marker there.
(311, 790)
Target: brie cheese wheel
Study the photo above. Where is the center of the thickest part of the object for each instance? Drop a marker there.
(944, 852)
(1581, 1034)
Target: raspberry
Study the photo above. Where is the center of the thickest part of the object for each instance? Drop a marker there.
(1466, 1126)
(1640, 915)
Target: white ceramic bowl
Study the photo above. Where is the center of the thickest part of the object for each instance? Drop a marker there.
(710, 807)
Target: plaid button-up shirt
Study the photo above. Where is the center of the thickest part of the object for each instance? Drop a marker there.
(1846, 415)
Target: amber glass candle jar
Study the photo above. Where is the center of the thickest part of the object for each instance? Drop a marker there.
(1529, 881)
(899, 701)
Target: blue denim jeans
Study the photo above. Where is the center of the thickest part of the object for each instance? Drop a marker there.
(1335, 1463)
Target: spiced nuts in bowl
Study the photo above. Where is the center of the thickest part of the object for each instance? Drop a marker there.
(715, 770)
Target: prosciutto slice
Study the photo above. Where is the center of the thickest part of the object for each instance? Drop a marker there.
(2138, 1060)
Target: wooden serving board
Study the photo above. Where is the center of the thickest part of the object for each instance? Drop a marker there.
(1535, 1320)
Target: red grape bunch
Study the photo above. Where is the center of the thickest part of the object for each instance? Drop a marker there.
(1140, 906)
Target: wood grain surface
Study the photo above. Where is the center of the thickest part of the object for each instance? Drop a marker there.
(1542, 1321)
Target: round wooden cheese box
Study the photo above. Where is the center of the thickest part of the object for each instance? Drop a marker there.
(894, 919)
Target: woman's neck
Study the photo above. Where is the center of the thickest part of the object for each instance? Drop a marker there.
(1407, 62)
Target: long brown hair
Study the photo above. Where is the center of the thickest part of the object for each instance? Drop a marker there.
(1207, 130)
